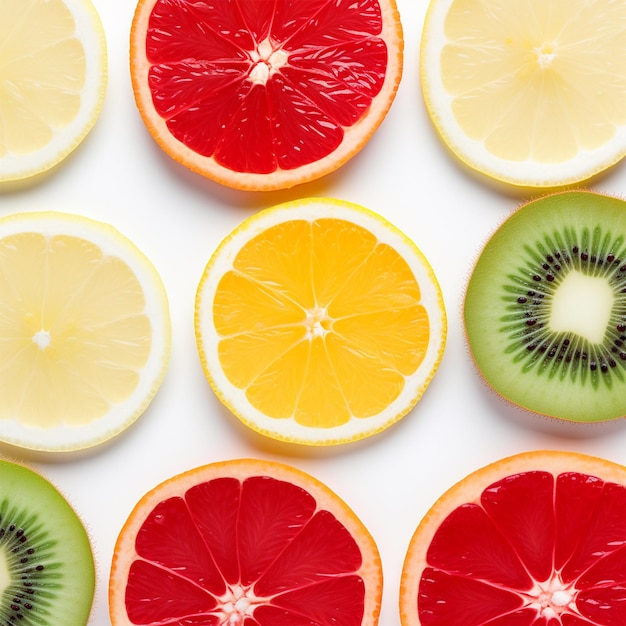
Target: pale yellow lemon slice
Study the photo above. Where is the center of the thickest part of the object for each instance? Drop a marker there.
(84, 331)
(53, 75)
(529, 92)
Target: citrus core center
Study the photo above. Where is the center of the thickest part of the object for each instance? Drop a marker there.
(42, 339)
(551, 599)
(236, 605)
(317, 322)
(266, 62)
(582, 305)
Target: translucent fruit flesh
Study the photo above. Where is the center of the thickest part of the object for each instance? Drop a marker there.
(248, 546)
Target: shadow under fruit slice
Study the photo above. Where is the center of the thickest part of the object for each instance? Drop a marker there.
(545, 307)
(47, 575)
(84, 331)
(318, 322)
(534, 539)
(264, 95)
(244, 543)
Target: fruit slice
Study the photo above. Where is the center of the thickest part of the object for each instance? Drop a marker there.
(318, 322)
(264, 95)
(47, 574)
(545, 308)
(244, 542)
(532, 93)
(84, 331)
(536, 539)
(53, 75)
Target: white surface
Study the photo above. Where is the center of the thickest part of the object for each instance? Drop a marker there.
(177, 218)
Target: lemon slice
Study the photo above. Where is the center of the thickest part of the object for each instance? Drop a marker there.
(53, 75)
(529, 92)
(318, 322)
(84, 331)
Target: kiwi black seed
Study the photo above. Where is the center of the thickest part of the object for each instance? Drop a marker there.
(47, 574)
(545, 307)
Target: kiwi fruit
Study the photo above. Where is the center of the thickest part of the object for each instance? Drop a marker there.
(545, 307)
(47, 573)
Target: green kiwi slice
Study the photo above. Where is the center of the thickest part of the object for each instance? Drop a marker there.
(545, 307)
(47, 574)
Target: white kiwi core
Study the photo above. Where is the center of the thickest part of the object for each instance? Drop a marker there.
(582, 305)
(5, 574)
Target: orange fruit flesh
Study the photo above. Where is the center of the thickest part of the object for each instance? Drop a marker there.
(332, 317)
(254, 548)
(535, 548)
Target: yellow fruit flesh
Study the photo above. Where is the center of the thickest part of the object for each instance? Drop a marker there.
(42, 73)
(319, 321)
(73, 332)
(537, 80)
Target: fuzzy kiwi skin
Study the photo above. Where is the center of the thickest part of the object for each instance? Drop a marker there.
(506, 308)
(46, 561)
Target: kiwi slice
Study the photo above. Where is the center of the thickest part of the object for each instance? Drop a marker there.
(47, 574)
(545, 307)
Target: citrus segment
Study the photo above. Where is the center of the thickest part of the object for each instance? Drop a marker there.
(53, 74)
(529, 93)
(244, 542)
(318, 322)
(537, 538)
(264, 95)
(84, 331)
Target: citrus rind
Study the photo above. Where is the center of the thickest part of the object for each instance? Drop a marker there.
(290, 430)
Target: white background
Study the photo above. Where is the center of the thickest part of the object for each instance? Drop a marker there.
(177, 218)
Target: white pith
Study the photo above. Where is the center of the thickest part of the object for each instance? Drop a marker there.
(236, 604)
(582, 305)
(267, 60)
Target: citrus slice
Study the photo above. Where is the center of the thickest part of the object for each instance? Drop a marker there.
(532, 93)
(53, 75)
(84, 331)
(264, 95)
(244, 542)
(318, 322)
(538, 538)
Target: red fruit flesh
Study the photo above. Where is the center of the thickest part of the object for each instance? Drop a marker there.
(534, 550)
(260, 543)
(272, 84)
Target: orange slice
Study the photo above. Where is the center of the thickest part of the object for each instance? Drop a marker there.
(318, 322)
(264, 95)
(536, 538)
(244, 542)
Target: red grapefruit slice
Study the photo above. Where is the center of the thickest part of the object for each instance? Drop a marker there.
(537, 539)
(264, 95)
(244, 543)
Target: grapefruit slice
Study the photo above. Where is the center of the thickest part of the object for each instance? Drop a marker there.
(53, 76)
(264, 95)
(536, 539)
(329, 303)
(244, 543)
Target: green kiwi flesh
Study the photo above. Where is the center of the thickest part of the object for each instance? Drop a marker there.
(545, 307)
(47, 574)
